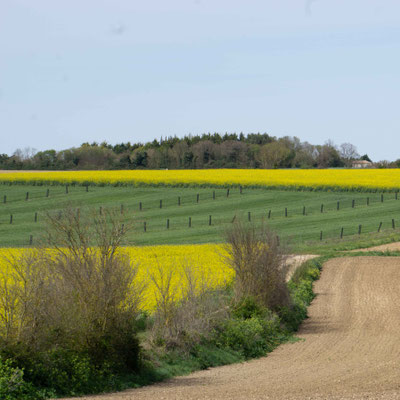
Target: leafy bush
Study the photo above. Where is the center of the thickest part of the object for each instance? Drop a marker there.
(252, 330)
(208, 355)
(252, 337)
(65, 372)
(301, 292)
(248, 308)
(12, 383)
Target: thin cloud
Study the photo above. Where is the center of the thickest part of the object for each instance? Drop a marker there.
(118, 29)
(308, 7)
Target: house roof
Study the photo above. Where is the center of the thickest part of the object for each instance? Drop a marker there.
(362, 162)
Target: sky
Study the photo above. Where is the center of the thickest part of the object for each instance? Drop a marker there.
(74, 71)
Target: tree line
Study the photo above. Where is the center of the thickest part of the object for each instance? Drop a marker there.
(255, 150)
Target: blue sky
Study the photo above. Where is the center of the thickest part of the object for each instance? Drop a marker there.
(127, 70)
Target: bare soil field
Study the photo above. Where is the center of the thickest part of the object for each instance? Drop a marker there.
(384, 247)
(349, 347)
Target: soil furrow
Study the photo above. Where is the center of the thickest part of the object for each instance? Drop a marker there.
(349, 347)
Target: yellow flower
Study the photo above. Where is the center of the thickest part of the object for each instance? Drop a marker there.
(291, 178)
(203, 262)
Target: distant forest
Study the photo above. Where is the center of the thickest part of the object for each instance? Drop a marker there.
(230, 150)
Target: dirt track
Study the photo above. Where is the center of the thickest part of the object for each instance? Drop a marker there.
(383, 247)
(351, 346)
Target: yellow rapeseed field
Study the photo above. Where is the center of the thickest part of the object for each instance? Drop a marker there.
(346, 179)
(204, 264)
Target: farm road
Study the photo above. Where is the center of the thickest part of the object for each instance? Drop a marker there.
(383, 247)
(350, 347)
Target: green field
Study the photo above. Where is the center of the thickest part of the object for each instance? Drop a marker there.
(302, 231)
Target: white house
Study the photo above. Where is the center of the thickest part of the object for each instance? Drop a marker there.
(362, 164)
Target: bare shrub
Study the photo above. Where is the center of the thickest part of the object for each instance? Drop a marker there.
(188, 310)
(259, 263)
(166, 295)
(78, 292)
(23, 289)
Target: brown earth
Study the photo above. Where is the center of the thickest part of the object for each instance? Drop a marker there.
(384, 247)
(349, 348)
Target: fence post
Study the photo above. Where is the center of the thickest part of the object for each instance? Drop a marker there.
(269, 214)
(380, 226)
(213, 194)
(47, 192)
(5, 199)
(87, 188)
(30, 240)
(249, 216)
(359, 229)
(382, 198)
(140, 206)
(190, 222)
(304, 210)
(35, 216)
(209, 220)
(198, 198)
(241, 189)
(341, 233)
(27, 196)
(122, 208)
(227, 193)
(322, 208)
(144, 226)
(320, 236)
(168, 223)
(285, 212)
(353, 203)
(11, 218)
(338, 206)
(393, 224)
(367, 201)
(160, 203)
(66, 189)
(179, 200)
(395, 195)
(277, 240)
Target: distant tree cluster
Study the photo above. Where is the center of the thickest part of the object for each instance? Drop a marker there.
(255, 150)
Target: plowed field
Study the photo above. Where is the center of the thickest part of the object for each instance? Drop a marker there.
(349, 348)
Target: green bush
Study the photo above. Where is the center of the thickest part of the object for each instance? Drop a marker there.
(66, 373)
(292, 317)
(208, 356)
(244, 335)
(301, 293)
(62, 372)
(310, 270)
(12, 383)
(301, 285)
(248, 307)
(253, 331)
